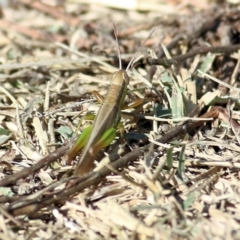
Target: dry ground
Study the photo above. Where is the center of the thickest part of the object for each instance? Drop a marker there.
(177, 176)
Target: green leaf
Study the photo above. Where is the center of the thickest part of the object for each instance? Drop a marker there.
(4, 132)
(177, 104)
(208, 61)
(181, 165)
(65, 132)
(188, 202)
(6, 191)
(205, 67)
(4, 135)
(166, 79)
(169, 158)
(3, 139)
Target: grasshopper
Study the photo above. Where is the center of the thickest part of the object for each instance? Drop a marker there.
(103, 132)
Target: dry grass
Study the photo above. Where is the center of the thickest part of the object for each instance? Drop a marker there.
(167, 184)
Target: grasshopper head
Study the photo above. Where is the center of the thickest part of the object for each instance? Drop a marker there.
(120, 77)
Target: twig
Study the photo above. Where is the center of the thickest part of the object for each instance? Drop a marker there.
(36, 167)
(201, 50)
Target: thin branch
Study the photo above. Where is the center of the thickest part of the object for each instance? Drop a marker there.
(201, 50)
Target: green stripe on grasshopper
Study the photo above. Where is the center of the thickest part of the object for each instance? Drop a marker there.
(80, 143)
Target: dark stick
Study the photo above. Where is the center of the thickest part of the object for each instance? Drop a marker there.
(26, 172)
(201, 50)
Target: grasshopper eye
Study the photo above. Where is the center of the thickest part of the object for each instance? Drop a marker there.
(125, 77)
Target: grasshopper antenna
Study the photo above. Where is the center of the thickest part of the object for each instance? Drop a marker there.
(119, 53)
(135, 54)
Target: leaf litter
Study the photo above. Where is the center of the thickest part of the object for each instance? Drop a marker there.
(177, 174)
